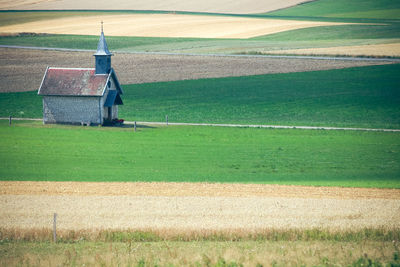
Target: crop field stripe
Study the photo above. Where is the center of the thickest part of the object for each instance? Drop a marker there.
(167, 25)
(364, 97)
(329, 36)
(314, 37)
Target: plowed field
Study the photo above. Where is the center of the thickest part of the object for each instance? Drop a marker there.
(23, 69)
(186, 206)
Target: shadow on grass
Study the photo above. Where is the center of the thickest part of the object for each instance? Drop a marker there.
(138, 126)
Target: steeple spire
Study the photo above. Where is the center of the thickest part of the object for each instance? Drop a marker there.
(102, 48)
(102, 55)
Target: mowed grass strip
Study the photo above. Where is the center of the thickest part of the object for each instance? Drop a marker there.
(355, 97)
(31, 151)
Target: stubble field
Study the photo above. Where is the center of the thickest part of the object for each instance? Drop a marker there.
(186, 207)
(164, 25)
(150, 224)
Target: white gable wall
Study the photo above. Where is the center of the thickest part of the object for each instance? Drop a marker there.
(72, 109)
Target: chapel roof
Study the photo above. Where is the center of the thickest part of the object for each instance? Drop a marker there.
(75, 82)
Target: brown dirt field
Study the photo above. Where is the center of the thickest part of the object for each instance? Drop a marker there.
(388, 50)
(23, 69)
(200, 206)
(217, 6)
(164, 25)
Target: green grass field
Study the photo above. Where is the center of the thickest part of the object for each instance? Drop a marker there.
(369, 9)
(31, 151)
(365, 96)
(354, 97)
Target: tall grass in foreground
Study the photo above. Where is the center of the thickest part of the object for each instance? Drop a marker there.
(149, 249)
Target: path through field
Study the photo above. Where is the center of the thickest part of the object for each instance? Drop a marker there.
(252, 126)
(186, 206)
(23, 69)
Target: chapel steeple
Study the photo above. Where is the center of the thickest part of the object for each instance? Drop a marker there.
(102, 55)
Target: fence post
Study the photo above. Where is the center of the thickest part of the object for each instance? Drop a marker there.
(10, 120)
(134, 125)
(166, 119)
(55, 228)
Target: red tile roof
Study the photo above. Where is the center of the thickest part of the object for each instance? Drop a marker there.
(73, 82)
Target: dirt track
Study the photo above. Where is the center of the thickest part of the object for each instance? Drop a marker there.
(188, 206)
(23, 69)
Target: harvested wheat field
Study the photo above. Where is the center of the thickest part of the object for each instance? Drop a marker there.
(378, 50)
(23, 69)
(164, 25)
(217, 6)
(186, 206)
